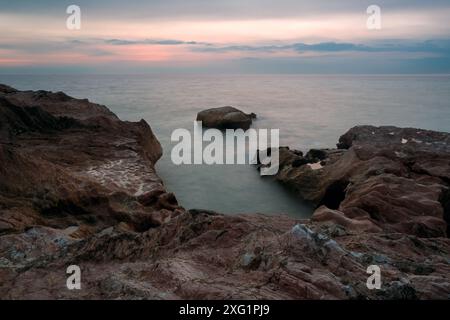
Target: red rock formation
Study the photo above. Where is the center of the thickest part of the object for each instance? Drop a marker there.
(67, 162)
(78, 186)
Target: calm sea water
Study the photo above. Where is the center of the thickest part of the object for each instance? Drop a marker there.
(310, 111)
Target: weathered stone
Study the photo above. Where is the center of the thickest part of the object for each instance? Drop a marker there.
(225, 118)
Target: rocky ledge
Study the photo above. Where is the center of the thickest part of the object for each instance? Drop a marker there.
(78, 187)
(380, 179)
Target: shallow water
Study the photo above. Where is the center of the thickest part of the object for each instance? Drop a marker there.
(310, 111)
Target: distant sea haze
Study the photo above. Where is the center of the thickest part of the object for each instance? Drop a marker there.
(311, 111)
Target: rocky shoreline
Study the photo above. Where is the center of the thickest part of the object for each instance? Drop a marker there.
(78, 186)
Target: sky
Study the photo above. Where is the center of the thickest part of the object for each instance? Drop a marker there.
(224, 36)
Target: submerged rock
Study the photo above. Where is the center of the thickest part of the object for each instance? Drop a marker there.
(225, 118)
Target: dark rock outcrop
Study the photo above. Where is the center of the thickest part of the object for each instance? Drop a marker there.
(67, 162)
(225, 118)
(388, 177)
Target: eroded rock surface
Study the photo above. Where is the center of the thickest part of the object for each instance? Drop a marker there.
(390, 178)
(67, 162)
(78, 186)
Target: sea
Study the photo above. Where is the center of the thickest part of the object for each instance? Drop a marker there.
(311, 111)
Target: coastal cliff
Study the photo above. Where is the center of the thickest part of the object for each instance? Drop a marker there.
(78, 187)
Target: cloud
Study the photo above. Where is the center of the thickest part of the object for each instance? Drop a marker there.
(430, 46)
(168, 42)
(344, 57)
(206, 9)
(284, 34)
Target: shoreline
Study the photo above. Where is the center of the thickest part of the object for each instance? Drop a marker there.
(64, 157)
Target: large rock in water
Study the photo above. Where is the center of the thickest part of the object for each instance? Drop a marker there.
(78, 186)
(225, 118)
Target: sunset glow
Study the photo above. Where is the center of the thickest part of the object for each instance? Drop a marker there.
(42, 39)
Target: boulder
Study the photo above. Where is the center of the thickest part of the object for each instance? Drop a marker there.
(225, 118)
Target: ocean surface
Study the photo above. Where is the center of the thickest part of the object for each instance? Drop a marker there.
(311, 111)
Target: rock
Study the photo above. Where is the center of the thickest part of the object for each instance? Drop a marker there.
(299, 162)
(68, 162)
(151, 197)
(399, 291)
(251, 261)
(316, 155)
(6, 89)
(379, 182)
(324, 214)
(225, 118)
